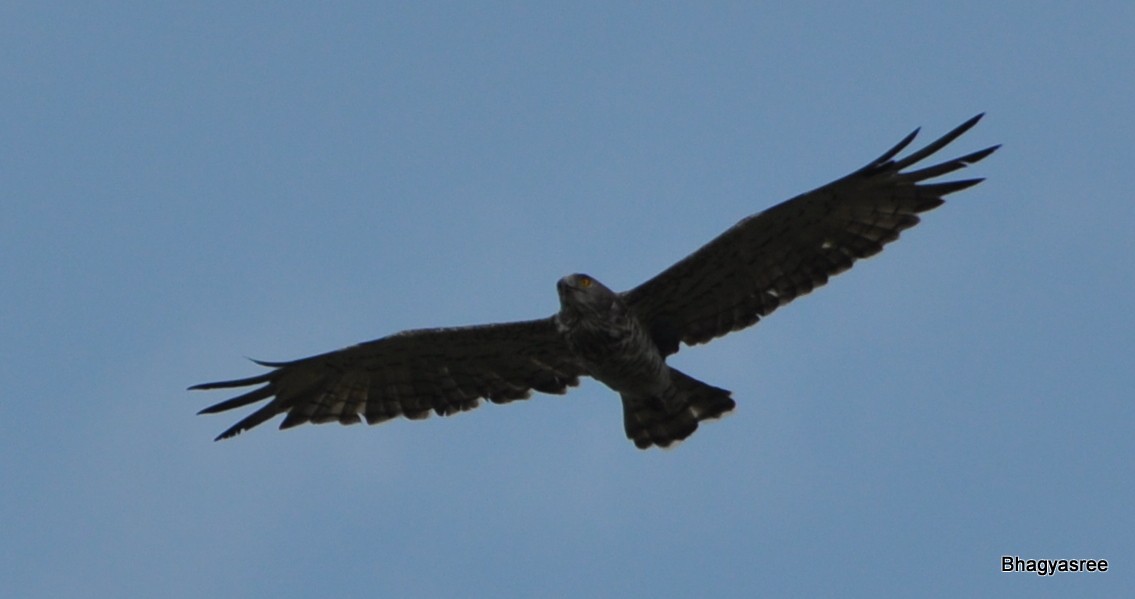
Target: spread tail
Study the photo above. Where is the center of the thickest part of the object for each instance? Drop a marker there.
(665, 420)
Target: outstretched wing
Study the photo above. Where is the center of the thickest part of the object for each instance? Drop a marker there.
(409, 374)
(775, 256)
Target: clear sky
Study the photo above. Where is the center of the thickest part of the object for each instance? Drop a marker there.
(186, 184)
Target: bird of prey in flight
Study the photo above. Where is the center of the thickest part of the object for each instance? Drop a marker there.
(621, 339)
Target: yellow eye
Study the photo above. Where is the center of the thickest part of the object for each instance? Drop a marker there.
(584, 282)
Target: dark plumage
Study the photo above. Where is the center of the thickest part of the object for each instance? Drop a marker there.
(621, 339)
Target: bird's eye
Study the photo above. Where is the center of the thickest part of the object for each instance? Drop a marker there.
(584, 282)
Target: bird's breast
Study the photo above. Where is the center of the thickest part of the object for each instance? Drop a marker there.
(619, 353)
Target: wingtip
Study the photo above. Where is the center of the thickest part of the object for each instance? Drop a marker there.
(891, 153)
(979, 155)
(267, 364)
(213, 409)
(907, 140)
(232, 431)
(949, 187)
(245, 382)
(966, 126)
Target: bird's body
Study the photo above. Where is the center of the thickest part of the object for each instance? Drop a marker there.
(608, 339)
(620, 339)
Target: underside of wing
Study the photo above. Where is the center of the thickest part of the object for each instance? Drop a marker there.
(773, 257)
(408, 374)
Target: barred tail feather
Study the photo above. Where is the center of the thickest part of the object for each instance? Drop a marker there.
(664, 421)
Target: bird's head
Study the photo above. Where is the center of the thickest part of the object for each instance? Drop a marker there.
(582, 293)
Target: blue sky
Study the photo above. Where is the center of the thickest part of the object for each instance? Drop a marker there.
(188, 185)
